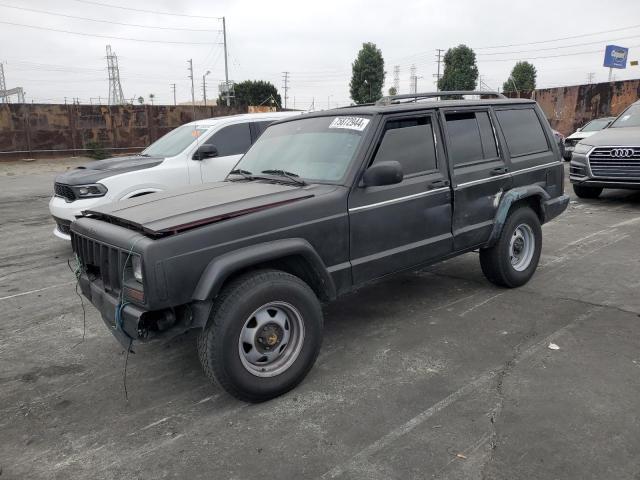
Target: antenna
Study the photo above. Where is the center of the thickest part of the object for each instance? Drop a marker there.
(116, 96)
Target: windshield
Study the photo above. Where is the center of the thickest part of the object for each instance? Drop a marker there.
(629, 118)
(316, 149)
(174, 142)
(596, 125)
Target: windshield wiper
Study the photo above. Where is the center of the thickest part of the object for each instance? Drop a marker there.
(294, 177)
(144, 155)
(244, 173)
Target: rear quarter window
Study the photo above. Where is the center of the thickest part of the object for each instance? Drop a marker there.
(522, 131)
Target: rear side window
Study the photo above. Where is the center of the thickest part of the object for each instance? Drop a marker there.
(471, 138)
(231, 140)
(522, 131)
(260, 127)
(410, 142)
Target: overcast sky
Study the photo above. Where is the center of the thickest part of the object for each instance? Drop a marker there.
(315, 41)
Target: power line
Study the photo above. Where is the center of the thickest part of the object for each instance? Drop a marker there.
(104, 36)
(144, 11)
(45, 12)
(558, 39)
(549, 56)
(599, 42)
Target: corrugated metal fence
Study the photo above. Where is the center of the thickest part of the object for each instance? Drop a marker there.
(28, 130)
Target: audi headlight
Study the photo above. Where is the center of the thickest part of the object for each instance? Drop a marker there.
(136, 266)
(89, 191)
(582, 148)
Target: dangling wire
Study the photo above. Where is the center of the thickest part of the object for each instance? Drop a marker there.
(77, 271)
(119, 319)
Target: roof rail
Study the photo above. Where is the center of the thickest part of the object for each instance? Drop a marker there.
(418, 96)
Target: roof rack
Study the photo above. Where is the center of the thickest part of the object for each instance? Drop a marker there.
(450, 93)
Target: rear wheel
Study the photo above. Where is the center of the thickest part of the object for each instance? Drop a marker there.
(512, 261)
(263, 336)
(583, 191)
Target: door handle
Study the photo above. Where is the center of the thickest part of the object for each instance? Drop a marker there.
(499, 170)
(438, 184)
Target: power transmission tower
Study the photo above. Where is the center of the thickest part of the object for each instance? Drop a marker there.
(226, 66)
(590, 77)
(173, 88)
(115, 88)
(3, 85)
(193, 92)
(285, 78)
(396, 78)
(439, 61)
(413, 80)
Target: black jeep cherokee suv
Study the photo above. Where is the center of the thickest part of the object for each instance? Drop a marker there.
(318, 205)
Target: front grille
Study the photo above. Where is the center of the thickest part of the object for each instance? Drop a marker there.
(615, 162)
(64, 191)
(100, 262)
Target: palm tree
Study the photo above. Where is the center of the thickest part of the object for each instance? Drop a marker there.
(151, 98)
(141, 100)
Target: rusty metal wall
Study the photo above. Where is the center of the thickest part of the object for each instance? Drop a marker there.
(568, 108)
(62, 130)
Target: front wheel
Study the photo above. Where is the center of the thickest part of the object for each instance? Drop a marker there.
(263, 336)
(512, 261)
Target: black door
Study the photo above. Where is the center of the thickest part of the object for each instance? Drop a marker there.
(398, 226)
(480, 174)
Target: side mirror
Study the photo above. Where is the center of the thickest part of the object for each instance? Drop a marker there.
(205, 151)
(579, 129)
(383, 173)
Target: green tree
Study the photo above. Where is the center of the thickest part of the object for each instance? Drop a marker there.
(141, 100)
(522, 78)
(152, 97)
(460, 69)
(392, 91)
(367, 75)
(253, 92)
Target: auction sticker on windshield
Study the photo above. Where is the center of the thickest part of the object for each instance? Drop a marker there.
(351, 123)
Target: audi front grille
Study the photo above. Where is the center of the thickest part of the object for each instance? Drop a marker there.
(615, 162)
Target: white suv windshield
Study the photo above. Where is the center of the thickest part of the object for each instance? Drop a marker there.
(174, 142)
(629, 118)
(596, 125)
(315, 149)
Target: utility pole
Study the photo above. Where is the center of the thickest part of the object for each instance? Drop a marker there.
(285, 78)
(226, 64)
(173, 87)
(590, 77)
(3, 85)
(116, 96)
(439, 61)
(193, 93)
(329, 101)
(396, 78)
(204, 87)
(413, 80)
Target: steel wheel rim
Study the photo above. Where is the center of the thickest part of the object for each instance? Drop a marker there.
(522, 247)
(271, 339)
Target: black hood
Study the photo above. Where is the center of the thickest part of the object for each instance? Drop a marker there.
(184, 208)
(95, 171)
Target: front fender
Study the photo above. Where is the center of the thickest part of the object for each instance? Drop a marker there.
(220, 268)
(508, 199)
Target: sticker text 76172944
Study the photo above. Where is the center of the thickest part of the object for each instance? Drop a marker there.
(351, 123)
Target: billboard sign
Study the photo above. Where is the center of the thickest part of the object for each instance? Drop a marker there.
(615, 56)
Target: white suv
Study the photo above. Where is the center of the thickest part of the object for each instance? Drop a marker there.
(197, 152)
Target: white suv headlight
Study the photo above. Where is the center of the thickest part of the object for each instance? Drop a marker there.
(582, 148)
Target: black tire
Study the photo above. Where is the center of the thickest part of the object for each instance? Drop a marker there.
(496, 260)
(218, 344)
(583, 191)
(567, 156)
